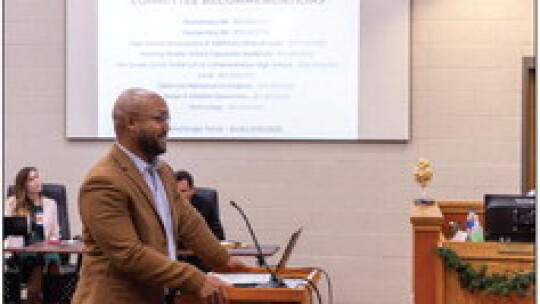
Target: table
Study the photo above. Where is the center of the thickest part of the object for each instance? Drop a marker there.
(78, 247)
(49, 247)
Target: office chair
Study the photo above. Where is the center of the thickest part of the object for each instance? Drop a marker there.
(210, 194)
(209, 197)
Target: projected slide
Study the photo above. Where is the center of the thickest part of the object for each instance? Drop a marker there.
(244, 69)
(269, 69)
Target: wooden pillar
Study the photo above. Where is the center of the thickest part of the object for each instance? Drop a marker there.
(427, 228)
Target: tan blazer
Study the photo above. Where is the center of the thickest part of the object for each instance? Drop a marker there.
(125, 258)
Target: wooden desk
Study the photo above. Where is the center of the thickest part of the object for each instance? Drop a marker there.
(78, 247)
(48, 247)
(248, 251)
(432, 283)
(299, 295)
(498, 257)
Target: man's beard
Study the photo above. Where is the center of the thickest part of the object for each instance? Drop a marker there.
(150, 145)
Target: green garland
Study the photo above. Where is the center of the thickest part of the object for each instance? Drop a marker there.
(511, 282)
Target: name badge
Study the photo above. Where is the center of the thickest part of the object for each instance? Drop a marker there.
(39, 218)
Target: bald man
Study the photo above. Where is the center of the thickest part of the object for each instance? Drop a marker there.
(133, 217)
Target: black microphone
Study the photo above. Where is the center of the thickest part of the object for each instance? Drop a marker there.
(275, 281)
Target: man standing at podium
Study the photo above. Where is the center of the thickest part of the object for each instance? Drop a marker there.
(133, 217)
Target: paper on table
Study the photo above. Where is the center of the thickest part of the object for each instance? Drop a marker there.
(249, 279)
(14, 241)
(243, 278)
(294, 283)
(460, 236)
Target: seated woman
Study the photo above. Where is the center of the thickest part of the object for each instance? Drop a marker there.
(42, 213)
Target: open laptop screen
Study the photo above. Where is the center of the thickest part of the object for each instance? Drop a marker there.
(250, 280)
(288, 250)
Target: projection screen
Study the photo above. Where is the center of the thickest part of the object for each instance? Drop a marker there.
(243, 69)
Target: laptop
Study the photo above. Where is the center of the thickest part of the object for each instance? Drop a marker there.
(16, 225)
(288, 250)
(255, 279)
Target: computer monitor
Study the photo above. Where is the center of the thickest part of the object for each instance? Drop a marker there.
(510, 218)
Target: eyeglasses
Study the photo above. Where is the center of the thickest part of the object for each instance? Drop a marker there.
(159, 118)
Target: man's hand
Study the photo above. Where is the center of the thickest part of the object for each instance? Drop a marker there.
(214, 291)
(235, 264)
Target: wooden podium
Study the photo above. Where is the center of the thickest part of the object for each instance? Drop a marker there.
(498, 257)
(299, 295)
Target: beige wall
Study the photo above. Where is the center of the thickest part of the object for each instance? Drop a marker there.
(351, 198)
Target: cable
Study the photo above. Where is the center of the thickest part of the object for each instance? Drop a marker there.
(314, 288)
(310, 290)
(328, 284)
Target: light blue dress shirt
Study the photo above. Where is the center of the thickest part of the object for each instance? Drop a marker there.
(153, 180)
